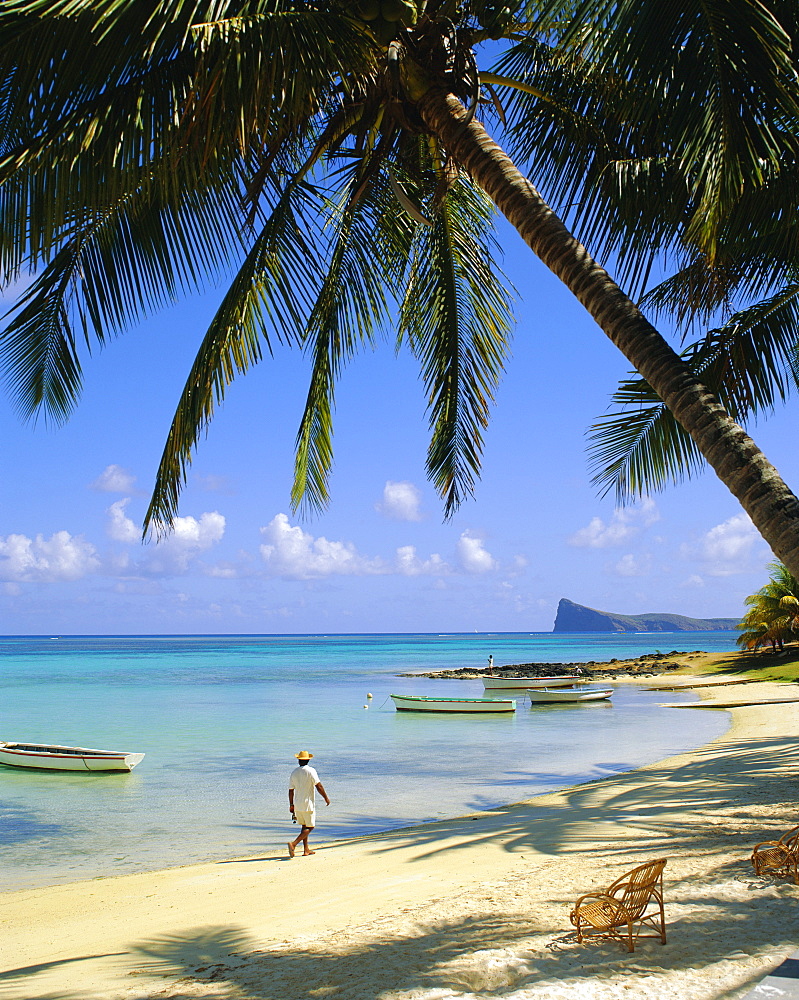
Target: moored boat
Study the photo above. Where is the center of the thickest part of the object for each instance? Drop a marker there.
(50, 757)
(429, 703)
(525, 683)
(542, 696)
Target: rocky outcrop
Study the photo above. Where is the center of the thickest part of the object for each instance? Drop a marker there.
(573, 617)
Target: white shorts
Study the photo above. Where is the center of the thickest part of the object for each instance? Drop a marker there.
(305, 817)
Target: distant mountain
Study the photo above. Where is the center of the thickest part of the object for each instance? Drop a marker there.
(573, 617)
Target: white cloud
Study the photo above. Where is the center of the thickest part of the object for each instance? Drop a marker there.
(726, 548)
(189, 533)
(630, 565)
(113, 479)
(401, 501)
(188, 538)
(409, 564)
(624, 524)
(474, 558)
(293, 553)
(60, 557)
(120, 527)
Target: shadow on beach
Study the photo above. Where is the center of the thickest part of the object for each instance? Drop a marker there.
(727, 789)
(485, 954)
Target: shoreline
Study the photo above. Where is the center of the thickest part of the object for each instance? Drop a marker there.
(645, 665)
(40, 870)
(464, 905)
(399, 824)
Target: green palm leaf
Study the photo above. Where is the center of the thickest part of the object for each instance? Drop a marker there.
(750, 363)
(163, 99)
(456, 317)
(658, 123)
(726, 76)
(114, 270)
(772, 615)
(352, 307)
(271, 295)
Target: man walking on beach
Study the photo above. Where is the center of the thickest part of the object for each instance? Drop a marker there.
(303, 784)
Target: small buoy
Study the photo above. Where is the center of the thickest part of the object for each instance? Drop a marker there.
(365, 706)
(368, 694)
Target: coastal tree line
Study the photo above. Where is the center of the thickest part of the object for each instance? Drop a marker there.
(341, 158)
(773, 615)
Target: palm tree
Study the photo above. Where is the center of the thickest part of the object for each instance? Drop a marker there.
(146, 145)
(774, 612)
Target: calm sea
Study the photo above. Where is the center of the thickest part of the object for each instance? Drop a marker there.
(220, 718)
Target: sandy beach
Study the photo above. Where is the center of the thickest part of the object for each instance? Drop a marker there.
(472, 907)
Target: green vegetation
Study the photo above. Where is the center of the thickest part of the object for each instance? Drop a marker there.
(762, 665)
(147, 148)
(773, 616)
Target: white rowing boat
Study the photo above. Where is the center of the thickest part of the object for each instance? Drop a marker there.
(541, 696)
(428, 703)
(525, 683)
(50, 757)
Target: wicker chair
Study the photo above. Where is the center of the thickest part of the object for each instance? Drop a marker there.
(622, 911)
(778, 857)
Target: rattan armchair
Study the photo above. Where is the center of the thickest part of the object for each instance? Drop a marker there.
(621, 911)
(778, 857)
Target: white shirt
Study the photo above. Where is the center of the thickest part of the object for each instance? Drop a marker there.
(303, 780)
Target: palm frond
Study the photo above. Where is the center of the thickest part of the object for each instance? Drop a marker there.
(757, 253)
(680, 143)
(717, 79)
(601, 171)
(272, 294)
(773, 614)
(456, 316)
(749, 363)
(352, 307)
(114, 270)
(163, 94)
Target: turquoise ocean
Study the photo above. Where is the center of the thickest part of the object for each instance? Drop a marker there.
(220, 718)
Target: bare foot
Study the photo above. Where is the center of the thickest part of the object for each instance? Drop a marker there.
(307, 854)
(291, 849)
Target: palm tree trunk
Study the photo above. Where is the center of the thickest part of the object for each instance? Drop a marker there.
(734, 456)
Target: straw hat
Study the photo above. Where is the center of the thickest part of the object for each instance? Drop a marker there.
(303, 755)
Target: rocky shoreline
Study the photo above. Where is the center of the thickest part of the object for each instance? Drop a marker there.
(646, 665)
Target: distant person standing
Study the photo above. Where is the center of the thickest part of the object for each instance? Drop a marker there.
(491, 663)
(303, 785)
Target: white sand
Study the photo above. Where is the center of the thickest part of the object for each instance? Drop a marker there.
(473, 907)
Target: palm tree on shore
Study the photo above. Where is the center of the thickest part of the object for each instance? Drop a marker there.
(276, 137)
(773, 615)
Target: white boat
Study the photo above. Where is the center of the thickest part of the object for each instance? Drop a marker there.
(428, 703)
(57, 758)
(541, 696)
(525, 683)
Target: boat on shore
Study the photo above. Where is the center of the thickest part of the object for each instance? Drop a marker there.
(429, 703)
(525, 683)
(51, 757)
(542, 696)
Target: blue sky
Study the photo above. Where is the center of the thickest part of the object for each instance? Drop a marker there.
(381, 558)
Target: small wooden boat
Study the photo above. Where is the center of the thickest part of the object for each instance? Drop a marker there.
(56, 758)
(541, 696)
(428, 703)
(525, 683)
